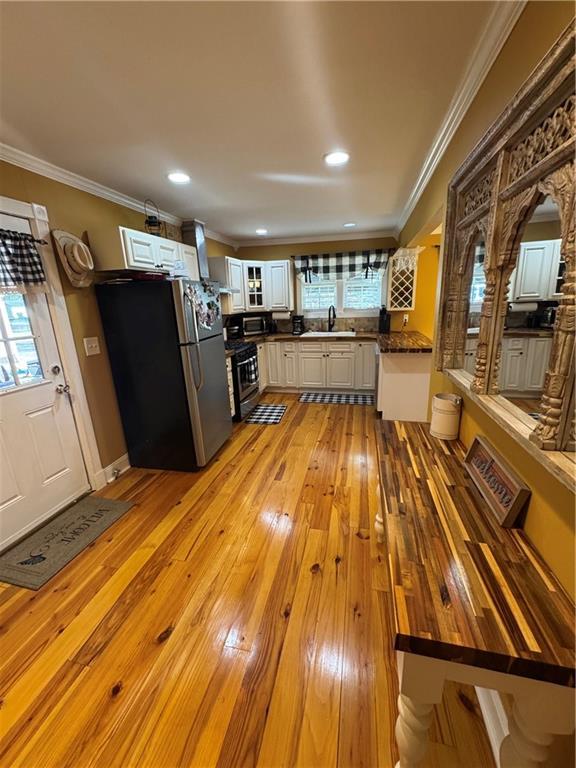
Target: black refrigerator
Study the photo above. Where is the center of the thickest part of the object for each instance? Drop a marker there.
(168, 361)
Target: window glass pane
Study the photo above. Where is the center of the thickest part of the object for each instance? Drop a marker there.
(15, 314)
(318, 296)
(27, 360)
(6, 378)
(362, 293)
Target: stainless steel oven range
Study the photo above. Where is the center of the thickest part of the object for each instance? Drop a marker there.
(245, 377)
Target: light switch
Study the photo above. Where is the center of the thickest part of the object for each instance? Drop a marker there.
(92, 345)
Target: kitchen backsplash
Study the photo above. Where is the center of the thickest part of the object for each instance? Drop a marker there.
(360, 324)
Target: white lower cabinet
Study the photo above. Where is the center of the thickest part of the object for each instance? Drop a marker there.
(537, 363)
(513, 364)
(290, 364)
(340, 370)
(312, 369)
(524, 364)
(322, 365)
(275, 366)
(365, 365)
(262, 367)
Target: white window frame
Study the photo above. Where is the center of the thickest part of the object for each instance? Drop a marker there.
(340, 311)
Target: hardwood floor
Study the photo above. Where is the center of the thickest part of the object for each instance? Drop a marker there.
(234, 617)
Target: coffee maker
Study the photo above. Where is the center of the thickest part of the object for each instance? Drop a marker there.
(298, 325)
(384, 321)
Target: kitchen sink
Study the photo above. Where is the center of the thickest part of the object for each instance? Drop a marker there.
(310, 334)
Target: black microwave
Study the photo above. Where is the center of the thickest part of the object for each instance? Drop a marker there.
(254, 326)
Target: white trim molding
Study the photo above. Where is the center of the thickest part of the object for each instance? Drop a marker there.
(50, 171)
(118, 467)
(498, 27)
(43, 168)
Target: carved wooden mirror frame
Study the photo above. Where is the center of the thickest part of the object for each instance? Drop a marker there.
(527, 153)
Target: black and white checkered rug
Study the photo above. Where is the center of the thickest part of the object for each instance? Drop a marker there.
(266, 414)
(332, 398)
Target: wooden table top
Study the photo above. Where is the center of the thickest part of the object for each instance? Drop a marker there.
(465, 589)
(404, 341)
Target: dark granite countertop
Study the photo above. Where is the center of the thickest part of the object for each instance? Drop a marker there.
(404, 341)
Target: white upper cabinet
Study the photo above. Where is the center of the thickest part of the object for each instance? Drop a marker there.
(557, 269)
(533, 270)
(235, 281)
(258, 286)
(229, 272)
(167, 252)
(188, 255)
(279, 286)
(139, 250)
(123, 248)
(255, 284)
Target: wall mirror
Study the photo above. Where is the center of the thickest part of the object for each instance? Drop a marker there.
(534, 291)
(508, 296)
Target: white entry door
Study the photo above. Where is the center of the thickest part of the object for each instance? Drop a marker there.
(41, 464)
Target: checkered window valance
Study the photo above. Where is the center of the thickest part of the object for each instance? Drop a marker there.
(21, 269)
(336, 266)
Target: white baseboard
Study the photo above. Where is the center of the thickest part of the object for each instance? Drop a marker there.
(495, 719)
(112, 471)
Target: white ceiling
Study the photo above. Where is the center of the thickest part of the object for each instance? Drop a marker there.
(245, 97)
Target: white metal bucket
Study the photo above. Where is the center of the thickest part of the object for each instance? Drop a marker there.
(445, 416)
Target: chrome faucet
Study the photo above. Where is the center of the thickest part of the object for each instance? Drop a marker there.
(331, 317)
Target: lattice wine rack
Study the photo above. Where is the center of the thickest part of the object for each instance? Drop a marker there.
(402, 279)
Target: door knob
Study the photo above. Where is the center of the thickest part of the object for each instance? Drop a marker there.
(63, 389)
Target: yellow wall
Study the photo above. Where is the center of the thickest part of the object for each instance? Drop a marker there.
(541, 230)
(539, 26)
(215, 248)
(285, 251)
(550, 516)
(421, 318)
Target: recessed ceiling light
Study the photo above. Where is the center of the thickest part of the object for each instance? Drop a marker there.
(338, 157)
(179, 177)
(350, 224)
(261, 231)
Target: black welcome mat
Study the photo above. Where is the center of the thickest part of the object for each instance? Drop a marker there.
(266, 414)
(333, 398)
(45, 551)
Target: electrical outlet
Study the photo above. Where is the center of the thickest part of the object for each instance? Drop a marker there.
(92, 345)
(404, 319)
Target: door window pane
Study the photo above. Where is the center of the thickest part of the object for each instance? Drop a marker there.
(19, 359)
(6, 376)
(15, 314)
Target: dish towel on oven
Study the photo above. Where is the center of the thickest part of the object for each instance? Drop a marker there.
(252, 370)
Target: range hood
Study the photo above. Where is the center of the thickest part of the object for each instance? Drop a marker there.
(193, 234)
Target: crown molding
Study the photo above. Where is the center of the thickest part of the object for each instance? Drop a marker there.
(221, 238)
(498, 27)
(328, 238)
(43, 168)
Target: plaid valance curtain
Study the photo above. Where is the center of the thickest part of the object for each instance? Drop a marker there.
(21, 269)
(335, 266)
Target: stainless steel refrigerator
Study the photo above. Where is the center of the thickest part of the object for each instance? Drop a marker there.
(167, 354)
